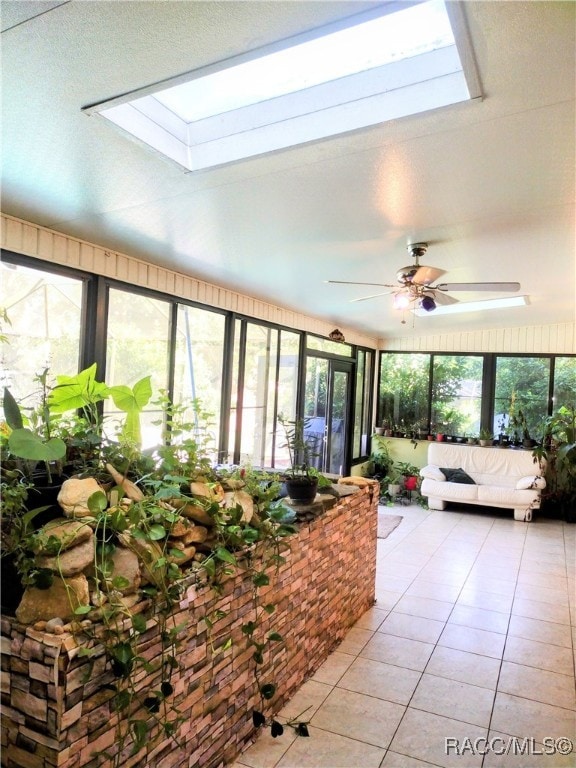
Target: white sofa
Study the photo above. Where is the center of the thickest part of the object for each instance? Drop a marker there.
(503, 477)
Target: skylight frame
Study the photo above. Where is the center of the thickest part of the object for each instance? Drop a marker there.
(387, 92)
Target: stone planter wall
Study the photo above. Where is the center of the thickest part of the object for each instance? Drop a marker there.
(56, 707)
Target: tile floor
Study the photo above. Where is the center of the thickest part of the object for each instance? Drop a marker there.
(472, 638)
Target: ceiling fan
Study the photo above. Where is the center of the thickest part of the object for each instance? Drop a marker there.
(416, 285)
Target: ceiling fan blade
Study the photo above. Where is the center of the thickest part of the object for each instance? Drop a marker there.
(373, 296)
(444, 299)
(351, 282)
(478, 287)
(427, 275)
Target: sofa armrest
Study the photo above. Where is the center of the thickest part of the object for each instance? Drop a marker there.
(530, 481)
(432, 472)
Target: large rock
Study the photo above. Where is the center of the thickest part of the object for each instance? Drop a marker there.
(149, 554)
(127, 566)
(74, 495)
(68, 533)
(240, 499)
(71, 561)
(58, 601)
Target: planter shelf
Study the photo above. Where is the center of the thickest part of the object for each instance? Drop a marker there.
(57, 706)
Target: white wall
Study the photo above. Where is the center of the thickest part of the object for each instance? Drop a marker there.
(558, 339)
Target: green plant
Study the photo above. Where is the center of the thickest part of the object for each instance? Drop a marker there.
(31, 437)
(66, 426)
(380, 455)
(405, 469)
(299, 452)
(486, 434)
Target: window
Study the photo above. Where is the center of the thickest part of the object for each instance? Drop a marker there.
(362, 402)
(379, 65)
(265, 380)
(457, 394)
(522, 384)
(319, 344)
(199, 363)
(460, 394)
(45, 322)
(564, 382)
(138, 346)
(404, 391)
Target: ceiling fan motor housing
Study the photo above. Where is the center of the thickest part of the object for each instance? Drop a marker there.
(405, 275)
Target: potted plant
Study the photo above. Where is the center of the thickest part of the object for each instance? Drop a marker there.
(392, 482)
(558, 448)
(300, 478)
(410, 474)
(380, 456)
(485, 437)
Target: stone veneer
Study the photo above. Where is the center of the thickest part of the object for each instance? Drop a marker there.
(56, 710)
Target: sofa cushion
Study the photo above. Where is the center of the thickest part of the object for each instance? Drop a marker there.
(457, 476)
(499, 496)
(530, 481)
(451, 491)
(432, 472)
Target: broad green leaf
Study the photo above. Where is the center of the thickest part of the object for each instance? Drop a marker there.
(28, 445)
(82, 609)
(12, 412)
(74, 392)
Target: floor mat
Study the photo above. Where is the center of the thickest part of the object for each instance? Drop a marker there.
(387, 523)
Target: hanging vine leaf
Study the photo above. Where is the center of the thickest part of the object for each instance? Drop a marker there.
(267, 690)
(140, 731)
(260, 580)
(258, 719)
(226, 556)
(276, 729)
(139, 623)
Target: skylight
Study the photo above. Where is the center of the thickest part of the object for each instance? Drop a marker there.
(377, 68)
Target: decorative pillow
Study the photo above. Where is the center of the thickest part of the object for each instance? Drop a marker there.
(432, 472)
(457, 476)
(530, 481)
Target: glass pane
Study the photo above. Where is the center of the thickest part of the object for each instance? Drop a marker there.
(359, 404)
(316, 406)
(45, 314)
(233, 424)
(332, 347)
(338, 426)
(404, 382)
(564, 382)
(286, 390)
(522, 385)
(367, 415)
(259, 395)
(199, 364)
(457, 394)
(137, 346)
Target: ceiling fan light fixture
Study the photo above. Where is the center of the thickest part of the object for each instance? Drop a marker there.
(402, 301)
(427, 303)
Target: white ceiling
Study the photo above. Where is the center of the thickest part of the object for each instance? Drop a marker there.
(490, 184)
